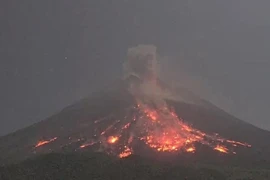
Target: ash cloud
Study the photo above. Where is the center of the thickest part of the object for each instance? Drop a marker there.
(142, 62)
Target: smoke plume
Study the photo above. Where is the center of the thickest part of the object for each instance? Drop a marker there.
(142, 62)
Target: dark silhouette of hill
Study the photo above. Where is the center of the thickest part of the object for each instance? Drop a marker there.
(99, 166)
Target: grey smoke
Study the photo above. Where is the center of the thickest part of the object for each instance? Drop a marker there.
(143, 62)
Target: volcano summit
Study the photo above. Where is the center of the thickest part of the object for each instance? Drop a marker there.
(140, 114)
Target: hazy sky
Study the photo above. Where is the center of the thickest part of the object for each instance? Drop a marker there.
(53, 53)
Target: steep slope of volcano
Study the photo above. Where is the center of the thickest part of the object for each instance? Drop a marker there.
(142, 115)
(76, 128)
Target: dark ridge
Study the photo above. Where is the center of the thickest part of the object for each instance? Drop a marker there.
(101, 166)
(83, 166)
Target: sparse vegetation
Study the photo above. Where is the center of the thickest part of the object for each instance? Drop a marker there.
(98, 166)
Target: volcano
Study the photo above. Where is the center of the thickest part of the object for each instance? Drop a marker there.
(141, 114)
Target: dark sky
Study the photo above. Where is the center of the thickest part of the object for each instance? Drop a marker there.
(53, 53)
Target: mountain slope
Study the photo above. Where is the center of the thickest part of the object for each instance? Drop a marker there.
(75, 126)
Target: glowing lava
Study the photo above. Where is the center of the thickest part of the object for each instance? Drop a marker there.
(222, 149)
(87, 144)
(127, 152)
(235, 143)
(169, 141)
(41, 143)
(190, 149)
(159, 128)
(113, 139)
(164, 131)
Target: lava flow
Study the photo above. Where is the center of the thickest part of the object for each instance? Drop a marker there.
(221, 149)
(162, 130)
(113, 139)
(151, 122)
(43, 142)
(165, 131)
(127, 152)
(157, 127)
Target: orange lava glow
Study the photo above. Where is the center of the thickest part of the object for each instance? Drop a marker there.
(41, 143)
(191, 149)
(86, 145)
(156, 126)
(127, 152)
(113, 139)
(151, 114)
(222, 149)
(126, 126)
(169, 141)
(166, 132)
(235, 143)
